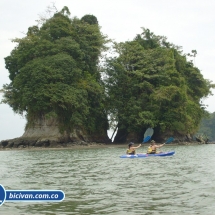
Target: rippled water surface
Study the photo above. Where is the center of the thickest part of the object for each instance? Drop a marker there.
(97, 181)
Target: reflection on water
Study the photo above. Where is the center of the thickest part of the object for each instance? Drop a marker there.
(97, 181)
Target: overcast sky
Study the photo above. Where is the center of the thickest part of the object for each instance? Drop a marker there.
(187, 23)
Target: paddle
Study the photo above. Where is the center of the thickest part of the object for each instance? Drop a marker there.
(149, 132)
(169, 140)
(146, 139)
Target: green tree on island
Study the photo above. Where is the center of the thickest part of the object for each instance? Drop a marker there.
(152, 84)
(54, 74)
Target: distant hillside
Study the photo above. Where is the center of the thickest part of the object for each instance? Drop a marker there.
(207, 127)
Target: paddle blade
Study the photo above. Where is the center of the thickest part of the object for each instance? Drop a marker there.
(146, 139)
(149, 132)
(169, 140)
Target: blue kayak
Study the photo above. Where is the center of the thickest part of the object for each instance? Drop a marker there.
(162, 154)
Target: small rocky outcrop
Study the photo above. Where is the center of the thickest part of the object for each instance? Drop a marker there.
(45, 133)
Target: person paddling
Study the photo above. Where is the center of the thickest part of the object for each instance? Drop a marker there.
(131, 148)
(152, 149)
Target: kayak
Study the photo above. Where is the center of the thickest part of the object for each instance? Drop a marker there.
(162, 154)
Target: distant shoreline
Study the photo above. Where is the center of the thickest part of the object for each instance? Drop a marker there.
(92, 146)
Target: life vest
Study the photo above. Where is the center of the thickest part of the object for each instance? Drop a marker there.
(130, 152)
(151, 151)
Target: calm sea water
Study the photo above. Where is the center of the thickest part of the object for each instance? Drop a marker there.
(97, 181)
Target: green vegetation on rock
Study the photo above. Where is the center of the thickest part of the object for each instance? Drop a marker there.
(152, 84)
(54, 73)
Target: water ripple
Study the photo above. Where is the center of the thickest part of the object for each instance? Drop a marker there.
(97, 181)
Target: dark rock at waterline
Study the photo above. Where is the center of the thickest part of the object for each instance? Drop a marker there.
(16, 142)
(23, 142)
(4, 143)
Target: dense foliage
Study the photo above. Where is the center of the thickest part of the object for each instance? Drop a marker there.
(207, 127)
(54, 73)
(152, 84)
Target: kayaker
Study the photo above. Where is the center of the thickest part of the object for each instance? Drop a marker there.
(131, 149)
(152, 149)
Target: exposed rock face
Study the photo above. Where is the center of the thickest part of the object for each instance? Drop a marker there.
(44, 128)
(45, 132)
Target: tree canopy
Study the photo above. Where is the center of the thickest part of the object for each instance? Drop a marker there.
(54, 73)
(152, 84)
